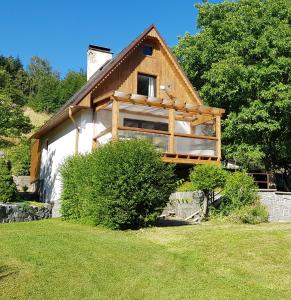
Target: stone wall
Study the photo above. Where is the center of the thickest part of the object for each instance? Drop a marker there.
(20, 212)
(23, 183)
(278, 204)
(182, 204)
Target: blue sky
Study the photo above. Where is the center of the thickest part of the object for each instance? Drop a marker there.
(62, 30)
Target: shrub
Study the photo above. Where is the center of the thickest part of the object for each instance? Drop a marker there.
(240, 189)
(8, 190)
(186, 186)
(19, 156)
(120, 185)
(250, 214)
(208, 178)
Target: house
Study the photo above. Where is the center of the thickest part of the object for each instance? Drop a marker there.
(142, 92)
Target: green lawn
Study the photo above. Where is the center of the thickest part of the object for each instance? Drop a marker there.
(52, 259)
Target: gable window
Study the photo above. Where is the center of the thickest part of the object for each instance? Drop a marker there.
(146, 85)
(145, 124)
(147, 50)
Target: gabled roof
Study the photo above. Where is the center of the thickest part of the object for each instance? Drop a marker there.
(103, 72)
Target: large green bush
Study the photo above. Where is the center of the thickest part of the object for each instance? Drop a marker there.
(121, 185)
(8, 190)
(240, 190)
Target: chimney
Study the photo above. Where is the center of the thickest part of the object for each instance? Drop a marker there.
(96, 57)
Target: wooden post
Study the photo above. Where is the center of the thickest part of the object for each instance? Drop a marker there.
(172, 131)
(115, 119)
(218, 135)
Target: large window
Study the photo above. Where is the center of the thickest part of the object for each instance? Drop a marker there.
(145, 124)
(146, 85)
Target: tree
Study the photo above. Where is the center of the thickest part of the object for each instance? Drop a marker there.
(71, 84)
(8, 190)
(48, 92)
(240, 60)
(14, 80)
(44, 86)
(207, 178)
(12, 121)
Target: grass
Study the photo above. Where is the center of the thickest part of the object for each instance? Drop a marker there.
(51, 259)
(37, 119)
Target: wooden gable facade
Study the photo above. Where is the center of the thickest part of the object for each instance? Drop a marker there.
(113, 89)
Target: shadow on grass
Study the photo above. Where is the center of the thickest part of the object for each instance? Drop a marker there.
(6, 271)
(173, 222)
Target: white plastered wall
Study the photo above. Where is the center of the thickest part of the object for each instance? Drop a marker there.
(61, 144)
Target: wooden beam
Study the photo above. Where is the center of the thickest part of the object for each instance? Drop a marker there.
(115, 119)
(202, 119)
(167, 103)
(143, 130)
(189, 161)
(218, 136)
(196, 136)
(35, 160)
(102, 105)
(103, 97)
(172, 130)
(103, 132)
(140, 113)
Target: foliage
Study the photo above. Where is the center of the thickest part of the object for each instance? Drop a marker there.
(12, 120)
(8, 190)
(19, 155)
(70, 84)
(46, 98)
(248, 156)
(208, 178)
(186, 186)
(254, 213)
(48, 91)
(239, 190)
(14, 80)
(121, 185)
(240, 60)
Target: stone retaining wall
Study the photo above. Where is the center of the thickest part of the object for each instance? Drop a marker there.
(278, 204)
(20, 212)
(182, 204)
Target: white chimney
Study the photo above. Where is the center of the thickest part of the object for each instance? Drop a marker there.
(96, 57)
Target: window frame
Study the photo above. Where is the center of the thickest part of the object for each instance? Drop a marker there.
(140, 123)
(150, 76)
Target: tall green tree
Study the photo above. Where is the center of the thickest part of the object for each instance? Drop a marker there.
(70, 84)
(49, 92)
(14, 80)
(44, 86)
(240, 60)
(13, 123)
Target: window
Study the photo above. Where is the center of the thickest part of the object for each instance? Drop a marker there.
(145, 124)
(146, 85)
(147, 50)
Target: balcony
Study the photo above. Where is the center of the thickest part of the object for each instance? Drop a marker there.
(192, 135)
